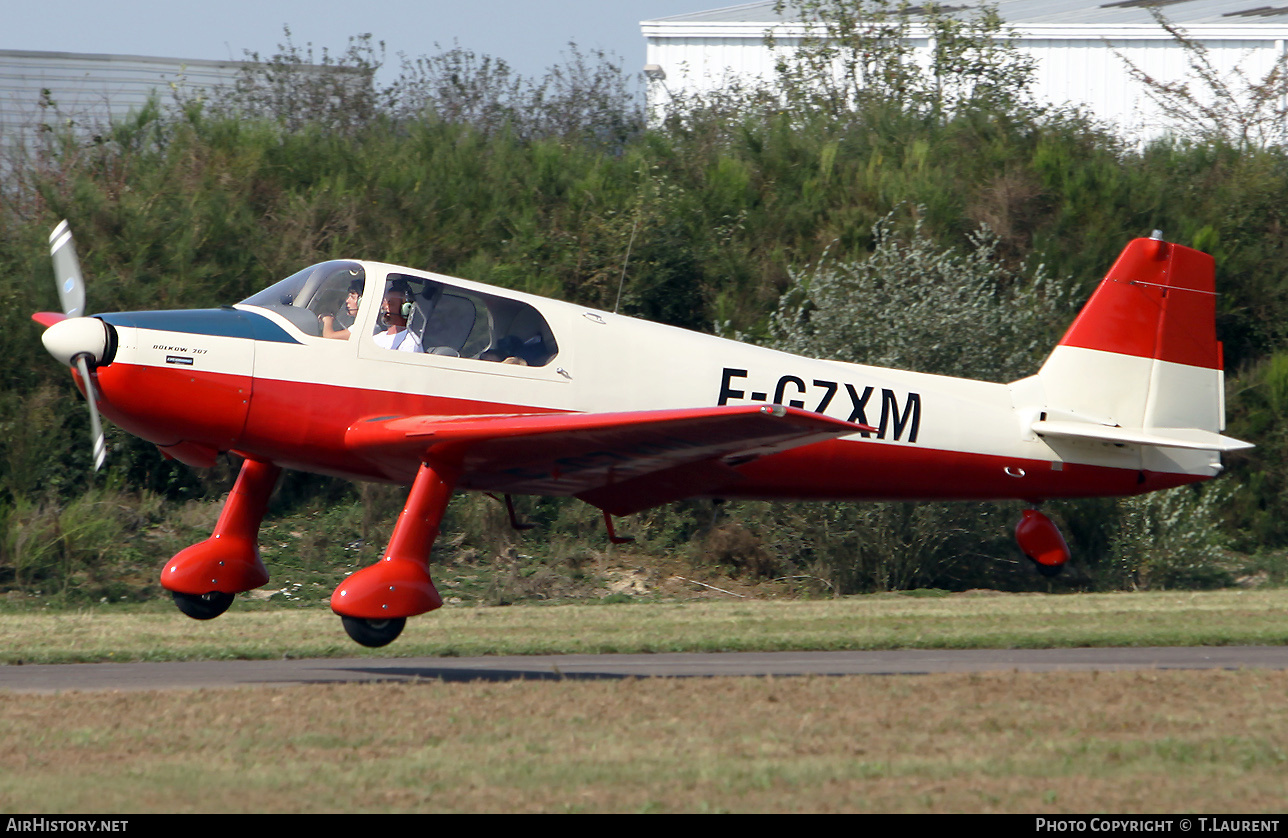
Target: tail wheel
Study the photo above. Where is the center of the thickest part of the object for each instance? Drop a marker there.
(1040, 539)
(203, 606)
(1047, 570)
(374, 633)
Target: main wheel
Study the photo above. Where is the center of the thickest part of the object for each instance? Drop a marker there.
(203, 606)
(374, 633)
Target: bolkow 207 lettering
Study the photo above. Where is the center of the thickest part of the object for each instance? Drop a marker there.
(792, 391)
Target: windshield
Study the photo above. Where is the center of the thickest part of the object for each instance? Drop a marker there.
(315, 292)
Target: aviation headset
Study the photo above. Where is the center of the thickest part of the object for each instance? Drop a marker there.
(403, 291)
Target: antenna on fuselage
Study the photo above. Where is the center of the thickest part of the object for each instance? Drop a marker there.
(626, 262)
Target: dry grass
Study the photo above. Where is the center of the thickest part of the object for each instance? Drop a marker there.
(1063, 743)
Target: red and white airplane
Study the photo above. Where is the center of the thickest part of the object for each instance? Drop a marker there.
(371, 371)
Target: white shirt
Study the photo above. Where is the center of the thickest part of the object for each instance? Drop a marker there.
(400, 339)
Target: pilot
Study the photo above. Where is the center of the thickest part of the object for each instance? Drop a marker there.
(337, 326)
(394, 309)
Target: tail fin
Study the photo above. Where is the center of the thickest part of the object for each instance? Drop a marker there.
(1141, 364)
(1157, 301)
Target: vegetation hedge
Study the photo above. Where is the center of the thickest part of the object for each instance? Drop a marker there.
(731, 206)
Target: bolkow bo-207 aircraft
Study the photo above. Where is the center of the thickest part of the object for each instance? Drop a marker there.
(371, 371)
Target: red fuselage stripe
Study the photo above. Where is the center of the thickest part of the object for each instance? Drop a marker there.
(302, 426)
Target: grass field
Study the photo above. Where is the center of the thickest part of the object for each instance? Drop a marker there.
(888, 621)
(1202, 742)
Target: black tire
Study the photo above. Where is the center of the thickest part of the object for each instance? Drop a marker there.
(203, 606)
(1050, 571)
(374, 633)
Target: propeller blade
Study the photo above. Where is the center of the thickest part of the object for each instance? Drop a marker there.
(67, 272)
(71, 293)
(95, 426)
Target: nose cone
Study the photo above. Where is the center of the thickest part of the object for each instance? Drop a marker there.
(76, 336)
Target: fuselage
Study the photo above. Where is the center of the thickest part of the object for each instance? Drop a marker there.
(252, 380)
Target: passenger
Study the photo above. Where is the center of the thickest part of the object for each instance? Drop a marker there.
(505, 351)
(396, 334)
(337, 326)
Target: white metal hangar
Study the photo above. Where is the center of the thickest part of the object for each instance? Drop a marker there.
(1079, 47)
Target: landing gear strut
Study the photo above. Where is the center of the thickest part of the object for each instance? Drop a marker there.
(375, 602)
(204, 577)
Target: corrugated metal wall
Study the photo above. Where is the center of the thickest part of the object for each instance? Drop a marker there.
(1085, 70)
(90, 90)
(1093, 72)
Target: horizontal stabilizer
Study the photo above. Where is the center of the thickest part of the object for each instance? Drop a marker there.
(1192, 438)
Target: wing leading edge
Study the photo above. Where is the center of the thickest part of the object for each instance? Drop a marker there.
(619, 462)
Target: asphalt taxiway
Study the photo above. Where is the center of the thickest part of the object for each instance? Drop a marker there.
(223, 674)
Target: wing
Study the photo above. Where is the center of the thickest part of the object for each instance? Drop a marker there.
(620, 462)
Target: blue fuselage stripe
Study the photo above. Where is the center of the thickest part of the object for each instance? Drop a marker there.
(221, 322)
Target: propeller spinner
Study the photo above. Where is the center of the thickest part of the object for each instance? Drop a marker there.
(77, 341)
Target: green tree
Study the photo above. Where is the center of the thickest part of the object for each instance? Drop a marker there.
(1171, 539)
(860, 55)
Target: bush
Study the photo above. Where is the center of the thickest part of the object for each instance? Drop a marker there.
(914, 304)
(88, 548)
(1171, 539)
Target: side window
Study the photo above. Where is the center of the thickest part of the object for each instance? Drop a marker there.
(457, 325)
(521, 335)
(419, 315)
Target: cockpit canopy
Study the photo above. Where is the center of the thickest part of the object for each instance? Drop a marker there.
(445, 319)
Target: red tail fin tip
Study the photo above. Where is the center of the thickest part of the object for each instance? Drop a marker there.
(1157, 301)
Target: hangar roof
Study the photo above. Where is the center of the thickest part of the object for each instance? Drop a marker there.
(1020, 13)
